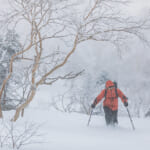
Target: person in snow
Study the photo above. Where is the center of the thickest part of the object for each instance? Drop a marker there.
(110, 104)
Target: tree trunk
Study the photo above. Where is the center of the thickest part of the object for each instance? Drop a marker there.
(1, 114)
(22, 113)
(19, 109)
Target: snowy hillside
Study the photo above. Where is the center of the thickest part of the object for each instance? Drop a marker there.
(63, 131)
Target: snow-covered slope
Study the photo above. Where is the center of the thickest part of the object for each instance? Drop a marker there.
(63, 131)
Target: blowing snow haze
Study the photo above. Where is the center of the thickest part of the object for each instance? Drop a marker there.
(46, 81)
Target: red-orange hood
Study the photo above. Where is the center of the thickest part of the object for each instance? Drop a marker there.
(109, 83)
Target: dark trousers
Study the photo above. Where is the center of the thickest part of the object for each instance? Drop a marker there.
(111, 116)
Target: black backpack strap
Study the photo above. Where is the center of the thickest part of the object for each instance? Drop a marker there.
(116, 92)
(115, 83)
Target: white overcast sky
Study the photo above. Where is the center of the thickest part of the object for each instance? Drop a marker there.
(137, 7)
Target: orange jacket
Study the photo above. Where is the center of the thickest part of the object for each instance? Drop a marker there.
(111, 96)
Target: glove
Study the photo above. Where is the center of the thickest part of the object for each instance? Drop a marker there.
(93, 106)
(125, 104)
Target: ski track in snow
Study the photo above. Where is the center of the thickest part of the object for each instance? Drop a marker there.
(64, 131)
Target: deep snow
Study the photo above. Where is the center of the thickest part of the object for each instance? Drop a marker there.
(64, 131)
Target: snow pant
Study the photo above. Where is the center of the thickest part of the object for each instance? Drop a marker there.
(111, 116)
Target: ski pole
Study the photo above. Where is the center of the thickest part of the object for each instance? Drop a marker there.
(90, 117)
(130, 119)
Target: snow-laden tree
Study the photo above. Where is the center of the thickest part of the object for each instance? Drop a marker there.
(9, 45)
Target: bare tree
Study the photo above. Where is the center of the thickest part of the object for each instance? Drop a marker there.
(14, 137)
(50, 19)
(39, 15)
